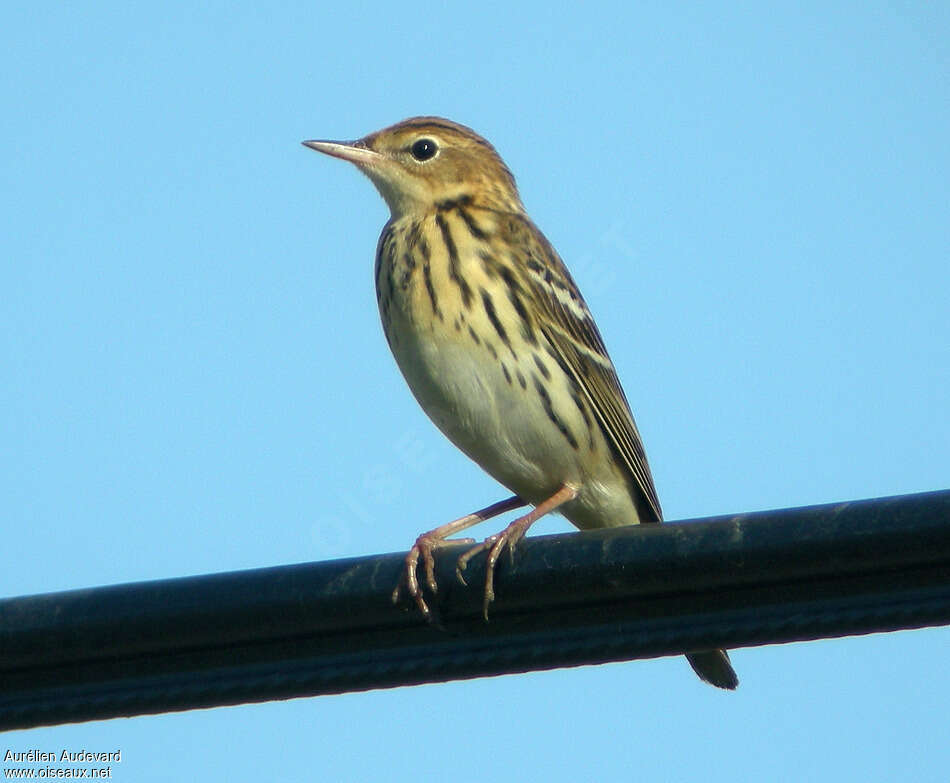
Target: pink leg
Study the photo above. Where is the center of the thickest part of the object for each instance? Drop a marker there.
(427, 543)
(509, 537)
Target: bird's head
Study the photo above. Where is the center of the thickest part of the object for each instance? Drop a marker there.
(422, 162)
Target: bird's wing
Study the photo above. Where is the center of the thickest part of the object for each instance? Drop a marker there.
(577, 346)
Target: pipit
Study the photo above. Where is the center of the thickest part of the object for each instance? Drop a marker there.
(499, 347)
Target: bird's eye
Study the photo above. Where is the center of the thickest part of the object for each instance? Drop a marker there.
(424, 149)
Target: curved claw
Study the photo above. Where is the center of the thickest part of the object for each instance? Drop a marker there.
(510, 536)
(411, 580)
(427, 543)
(462, 563)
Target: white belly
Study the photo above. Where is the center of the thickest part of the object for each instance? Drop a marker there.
(503, 426)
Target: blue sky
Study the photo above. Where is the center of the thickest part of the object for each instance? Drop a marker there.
(754, 200)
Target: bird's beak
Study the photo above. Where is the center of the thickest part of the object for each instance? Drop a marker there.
(353, 151)
(384, 170)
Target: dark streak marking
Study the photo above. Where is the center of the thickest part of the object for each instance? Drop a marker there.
(454, 273)
(541, 366)
(390, 271)
(427, 276)
(549, 410)
(409, 266)
(489, 264)
(391, 250)
(449, 204)
(412, 234)
(493, 317)
(560, 361)
(473, 228)
(583, 409)
(514, 289)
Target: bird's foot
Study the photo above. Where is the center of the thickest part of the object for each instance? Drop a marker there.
(428, 543)
(509, 537)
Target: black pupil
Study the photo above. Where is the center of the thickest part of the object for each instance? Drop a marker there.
(424, 149)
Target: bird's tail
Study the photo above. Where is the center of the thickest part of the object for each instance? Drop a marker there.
(713, 667)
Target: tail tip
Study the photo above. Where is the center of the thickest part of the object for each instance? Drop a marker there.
(714, 667)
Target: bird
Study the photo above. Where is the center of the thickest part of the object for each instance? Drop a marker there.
(499, 348)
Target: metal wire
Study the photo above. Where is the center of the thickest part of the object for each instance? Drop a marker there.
(607, 595)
